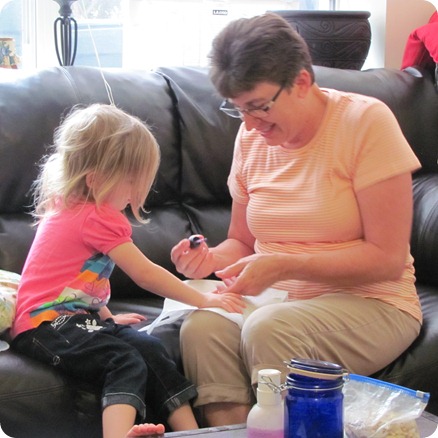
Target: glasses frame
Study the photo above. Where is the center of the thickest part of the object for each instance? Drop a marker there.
(258, 112)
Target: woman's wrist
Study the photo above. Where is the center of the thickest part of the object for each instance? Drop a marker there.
(280, 267)
(227, 253)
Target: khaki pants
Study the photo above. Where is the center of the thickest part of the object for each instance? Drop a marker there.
(363, 335)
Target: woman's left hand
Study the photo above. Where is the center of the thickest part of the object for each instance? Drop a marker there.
(250, 275)
(128, 318)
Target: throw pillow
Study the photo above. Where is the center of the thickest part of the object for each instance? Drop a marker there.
(8, 295)
(422, 46)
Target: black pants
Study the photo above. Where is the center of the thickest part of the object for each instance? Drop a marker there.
(132, 367)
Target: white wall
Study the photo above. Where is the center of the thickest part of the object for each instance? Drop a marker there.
(391, 23)
(403, 16)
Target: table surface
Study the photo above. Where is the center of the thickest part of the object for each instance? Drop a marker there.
(235, 431)
(427, 425)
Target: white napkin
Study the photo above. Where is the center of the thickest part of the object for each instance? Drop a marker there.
(173, 310)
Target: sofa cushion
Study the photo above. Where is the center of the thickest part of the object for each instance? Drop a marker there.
(32, 390)
(204, 131)
(424, 238)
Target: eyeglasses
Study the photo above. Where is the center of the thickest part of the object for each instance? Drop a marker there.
(258, 111)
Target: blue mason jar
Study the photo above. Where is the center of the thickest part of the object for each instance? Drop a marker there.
(314, 400)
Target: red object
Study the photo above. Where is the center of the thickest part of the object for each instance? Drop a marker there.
(422, 46)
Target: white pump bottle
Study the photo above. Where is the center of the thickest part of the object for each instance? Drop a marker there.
(266, 418)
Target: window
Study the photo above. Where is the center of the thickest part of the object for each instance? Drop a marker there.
(10, 24)
(100, 29)
(151, 33)
(140, 34)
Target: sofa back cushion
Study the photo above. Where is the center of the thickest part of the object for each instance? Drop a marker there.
(181, 107)
(31, 107)
(410, 94)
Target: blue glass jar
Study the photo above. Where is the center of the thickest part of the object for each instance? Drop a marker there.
(314, 400)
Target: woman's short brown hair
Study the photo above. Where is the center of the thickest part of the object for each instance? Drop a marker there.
(264, 48)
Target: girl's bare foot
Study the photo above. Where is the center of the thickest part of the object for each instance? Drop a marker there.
(146, 429)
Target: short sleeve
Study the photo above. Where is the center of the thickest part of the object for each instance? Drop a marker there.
(106, 228)
(236, 184)
(382, 150)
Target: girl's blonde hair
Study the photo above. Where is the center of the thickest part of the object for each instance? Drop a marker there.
(103, 141)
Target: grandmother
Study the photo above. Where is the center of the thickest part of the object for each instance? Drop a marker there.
(322, 208)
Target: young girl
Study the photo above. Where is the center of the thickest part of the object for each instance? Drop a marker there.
(104, 159)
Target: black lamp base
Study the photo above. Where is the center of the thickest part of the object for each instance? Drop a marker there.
(65, 33)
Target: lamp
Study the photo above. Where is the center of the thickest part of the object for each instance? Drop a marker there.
(66, 34)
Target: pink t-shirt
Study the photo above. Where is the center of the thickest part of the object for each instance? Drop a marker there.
(67, 269)
(304, 200)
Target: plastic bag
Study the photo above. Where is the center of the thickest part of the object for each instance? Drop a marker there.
(377, 409)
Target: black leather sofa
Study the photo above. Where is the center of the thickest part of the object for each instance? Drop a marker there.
(190, 196)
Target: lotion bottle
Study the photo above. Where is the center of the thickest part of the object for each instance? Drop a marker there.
(266, 418)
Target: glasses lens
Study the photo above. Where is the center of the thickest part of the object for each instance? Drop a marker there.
(232, 112)
(259, 113)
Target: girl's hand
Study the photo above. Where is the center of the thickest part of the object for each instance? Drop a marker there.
(128, 318)
(192, 262)
(232, 303)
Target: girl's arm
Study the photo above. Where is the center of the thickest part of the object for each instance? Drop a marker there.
(121, 318)
(158, 280)
(105, 313)
(386, 212)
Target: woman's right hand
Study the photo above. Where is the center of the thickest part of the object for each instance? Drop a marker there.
(192, 262)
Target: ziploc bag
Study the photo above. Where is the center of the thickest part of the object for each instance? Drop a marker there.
(377, 409)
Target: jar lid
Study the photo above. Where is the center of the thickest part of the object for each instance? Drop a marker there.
(316, 368)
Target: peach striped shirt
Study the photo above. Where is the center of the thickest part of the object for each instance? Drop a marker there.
(303, 200)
